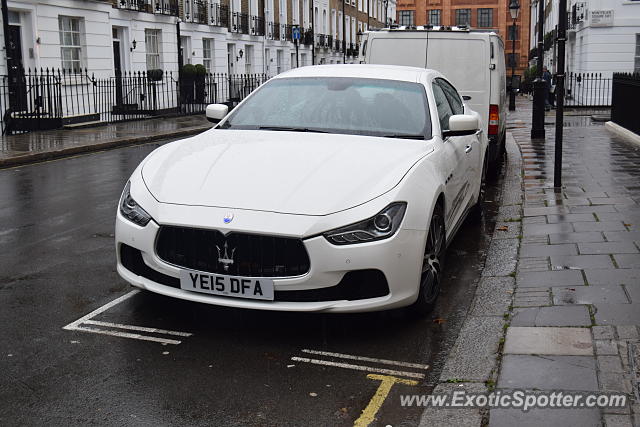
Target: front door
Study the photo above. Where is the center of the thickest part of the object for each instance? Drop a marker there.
(117, 67)
(17, 83)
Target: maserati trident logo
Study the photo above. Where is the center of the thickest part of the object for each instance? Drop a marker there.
(224, 258)
(228, 218)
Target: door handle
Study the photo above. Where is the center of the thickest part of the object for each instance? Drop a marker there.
(468, 149)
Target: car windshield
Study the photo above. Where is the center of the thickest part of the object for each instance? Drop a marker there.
(337, 105)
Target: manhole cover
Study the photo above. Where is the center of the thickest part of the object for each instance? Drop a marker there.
(634, 364)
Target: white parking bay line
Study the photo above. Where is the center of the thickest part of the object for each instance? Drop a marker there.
(100, 310)
(358, 367)
(116, 329)
(137, 328)
(366, 359)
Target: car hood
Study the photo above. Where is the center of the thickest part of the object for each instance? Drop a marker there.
(285, 172)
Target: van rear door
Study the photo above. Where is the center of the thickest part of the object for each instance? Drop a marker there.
(465, 63)
(398, 50)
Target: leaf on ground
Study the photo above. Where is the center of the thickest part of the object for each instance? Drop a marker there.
(439, 320)
(503, 228)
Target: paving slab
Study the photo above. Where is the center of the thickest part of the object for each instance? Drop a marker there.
(626, 276)
(627, 260)
(578, 417)
(575, 217)
(550, 278)
(577, 315)
(586, 262)
(528, 251)
(599, 226)
(548, 372)
(626, 247)
(548, 341)
(617, 236)
(540, 229)
(617, 314)
(582, 237)
(564, 295)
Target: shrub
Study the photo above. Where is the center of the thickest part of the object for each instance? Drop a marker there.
(155, 75)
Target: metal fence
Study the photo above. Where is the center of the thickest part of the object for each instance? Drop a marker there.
(49, 99)
(625, 95)
(587, 90)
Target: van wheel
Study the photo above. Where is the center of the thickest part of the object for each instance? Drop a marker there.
(432, 264)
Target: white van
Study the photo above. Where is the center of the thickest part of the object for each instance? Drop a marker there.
(472, 60)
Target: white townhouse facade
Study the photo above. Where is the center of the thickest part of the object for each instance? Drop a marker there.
(603, 36)
(226, 36)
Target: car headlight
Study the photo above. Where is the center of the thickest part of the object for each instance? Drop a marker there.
(381, 226)
(131, 210)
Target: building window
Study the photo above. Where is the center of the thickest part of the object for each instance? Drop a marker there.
(485, 18)
(248, 61)
(207, 54)
(434, 17)
(406, 17)
(636, 67)
(512, 32)
(152, 46)
(463, 17)
(70, 45)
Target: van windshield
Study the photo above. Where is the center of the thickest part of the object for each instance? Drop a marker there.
(336, 105)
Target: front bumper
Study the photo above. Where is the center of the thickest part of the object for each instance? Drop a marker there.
(398, 258)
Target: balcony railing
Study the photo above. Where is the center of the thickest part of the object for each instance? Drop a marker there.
(166, 7)
(307, 39)
(218, 15)
(139, 5)
(257, 26)
(286, 32)
(239, 23)
(273, 30)
(338, 45)
(195, 11)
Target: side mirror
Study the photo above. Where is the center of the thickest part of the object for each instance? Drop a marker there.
(461, 124)
(216, 112)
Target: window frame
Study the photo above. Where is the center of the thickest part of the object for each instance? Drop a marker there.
(76, 43)
(438, 14)
(459, 15)
(484, 17)
(404, 14)
(156, 35)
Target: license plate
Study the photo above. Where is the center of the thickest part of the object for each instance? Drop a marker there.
(230, 286)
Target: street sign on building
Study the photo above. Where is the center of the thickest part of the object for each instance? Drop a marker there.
(601, 18)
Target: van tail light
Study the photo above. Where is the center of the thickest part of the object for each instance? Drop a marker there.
(494, 119)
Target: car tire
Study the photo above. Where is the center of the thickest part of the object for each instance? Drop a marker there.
(478, 208)
(432, 266)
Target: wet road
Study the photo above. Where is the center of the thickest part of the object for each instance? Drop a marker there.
(232, 367)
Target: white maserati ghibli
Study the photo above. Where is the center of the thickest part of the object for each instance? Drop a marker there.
(331, 188)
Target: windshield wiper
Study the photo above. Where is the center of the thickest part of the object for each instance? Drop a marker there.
(291, 129)
(403, 136)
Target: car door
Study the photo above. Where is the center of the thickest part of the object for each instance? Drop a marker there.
(471, 143)
(454, 161)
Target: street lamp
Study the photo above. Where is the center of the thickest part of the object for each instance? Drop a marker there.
(514, 10)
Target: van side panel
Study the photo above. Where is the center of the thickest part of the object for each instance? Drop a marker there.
(392, 51)
(465, 63)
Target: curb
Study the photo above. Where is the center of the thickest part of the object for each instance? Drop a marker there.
(623, 133)
(474, 360)
(84, 149)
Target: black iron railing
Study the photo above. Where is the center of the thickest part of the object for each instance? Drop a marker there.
(257, 26)
(239, 23)
(587, 90)
(48, 99)
(307, 39)
(286, 32)
(166, 7)
(218, 15)
(195, 11)
(338, 45)
(624, 100)
(139, 5)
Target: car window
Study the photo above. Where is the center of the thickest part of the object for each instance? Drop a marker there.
(337, 105)
(452, 96)
(444, 109)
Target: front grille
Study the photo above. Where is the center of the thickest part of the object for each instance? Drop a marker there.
(355, 285)
(252, 255)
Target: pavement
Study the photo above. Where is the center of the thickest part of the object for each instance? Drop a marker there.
(46, 145)
(574, 317)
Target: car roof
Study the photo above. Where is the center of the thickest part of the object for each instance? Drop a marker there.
(371, 71)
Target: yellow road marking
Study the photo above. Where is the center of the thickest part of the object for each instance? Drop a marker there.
(386, 382)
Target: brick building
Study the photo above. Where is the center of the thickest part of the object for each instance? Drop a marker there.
(477, 14)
